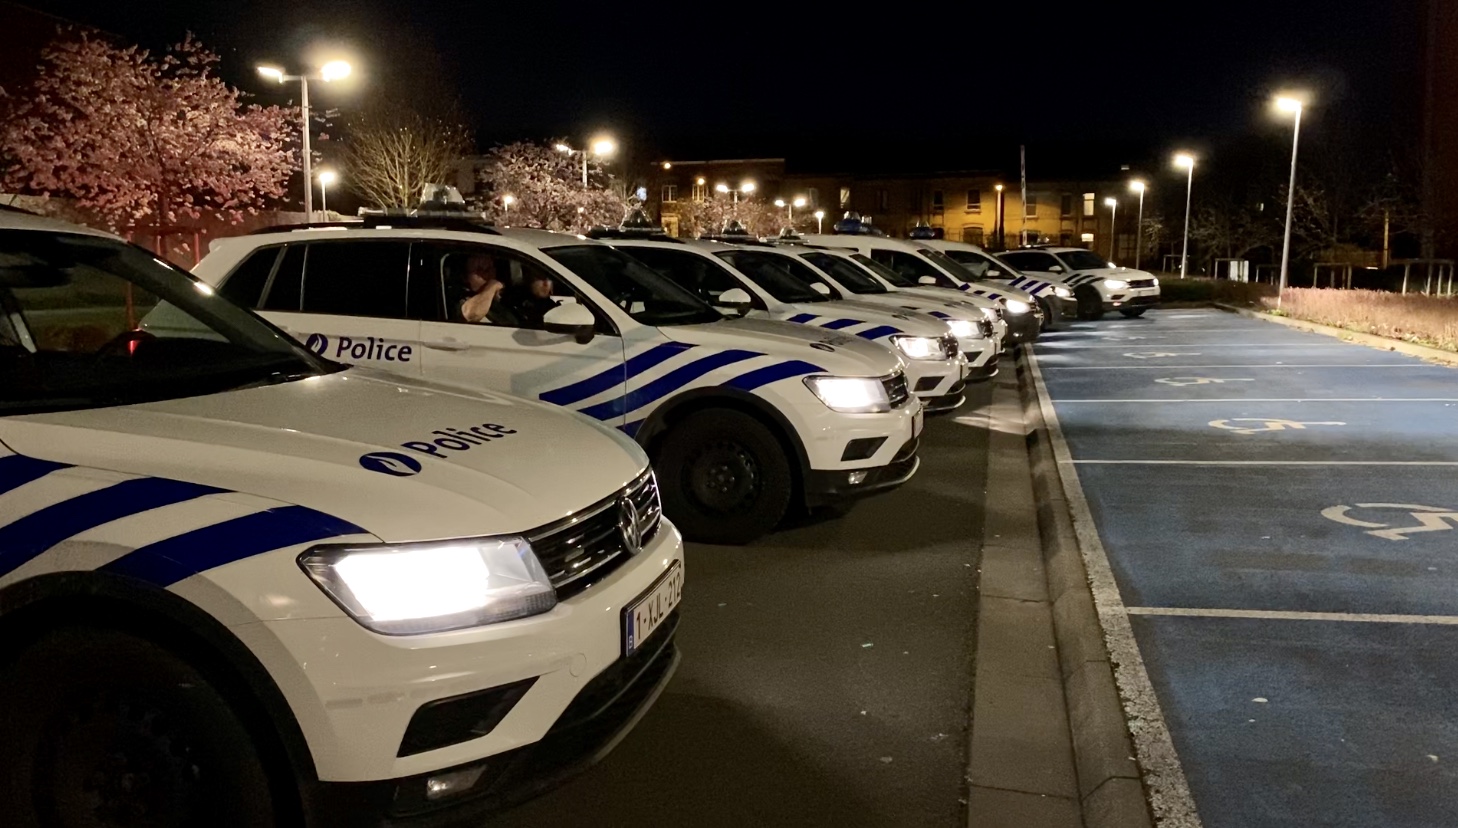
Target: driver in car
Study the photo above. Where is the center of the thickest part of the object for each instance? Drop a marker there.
(534, 300)
(482, 288)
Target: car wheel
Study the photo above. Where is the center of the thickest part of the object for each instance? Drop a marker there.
(1133, 313)
(1050, 323)
(1090, 303)
(110, 729)
(723, 476)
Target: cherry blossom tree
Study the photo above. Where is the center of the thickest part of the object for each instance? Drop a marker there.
(145, 142)
(710, 215)
(545, 189)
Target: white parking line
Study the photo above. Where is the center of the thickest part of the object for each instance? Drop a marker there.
(1261, 462)
(1287, 615)
(1272, 399)
(1162, 367)
(1169, 790)
(1318, 344)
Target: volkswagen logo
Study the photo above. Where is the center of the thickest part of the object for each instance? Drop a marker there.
(629, 527)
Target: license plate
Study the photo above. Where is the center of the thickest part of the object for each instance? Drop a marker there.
(644, 615)
(917, 421)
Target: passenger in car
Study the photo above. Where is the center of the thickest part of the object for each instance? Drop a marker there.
(481, 286)
(532, 300)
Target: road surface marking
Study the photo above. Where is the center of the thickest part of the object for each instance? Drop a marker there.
(1429, 519)
(1169, 790)
(1159, 354)
(1180, 382)
(1082, 347)
(1267, 425)
(1275, 365)
(1264, 462)
(1266, 400)
(1288, 615)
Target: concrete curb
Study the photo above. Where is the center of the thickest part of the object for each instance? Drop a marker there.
(1370, 340)
(1110, 785)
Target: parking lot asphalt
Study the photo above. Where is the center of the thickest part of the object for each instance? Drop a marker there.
(1280, 514)
(827, 669)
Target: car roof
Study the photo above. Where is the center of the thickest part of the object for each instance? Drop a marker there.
(511, 237)
(14, 218)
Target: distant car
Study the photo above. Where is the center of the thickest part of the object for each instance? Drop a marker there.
(1098, 285)
(1054, 298)
(242, 584)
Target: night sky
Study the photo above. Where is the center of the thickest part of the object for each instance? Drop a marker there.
(954, 85)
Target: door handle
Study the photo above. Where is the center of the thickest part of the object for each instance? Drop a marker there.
(446, 344)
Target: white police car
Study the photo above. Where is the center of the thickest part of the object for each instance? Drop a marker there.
(1098, 285)
(1054, 297)
(739, 416)
(243, 585)
(760, 282)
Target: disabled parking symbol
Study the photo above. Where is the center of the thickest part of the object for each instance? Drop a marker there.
(1429, 519)
(1266, 424)
(1183, 381)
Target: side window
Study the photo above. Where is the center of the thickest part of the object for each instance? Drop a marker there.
(1032, 261)
(807, 275)
(912, 266)
(457, 273)
(687, 270)
(356, 278)
(284, 289)
(882, 256)
(246, 283)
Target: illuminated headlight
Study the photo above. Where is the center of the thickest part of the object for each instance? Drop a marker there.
(432, 587)
(1115, 284)
(990, 313)
(964, 329)
(850, 395)
(1154, 282)
(1063, 293)
(918, 347)
(1015, 306)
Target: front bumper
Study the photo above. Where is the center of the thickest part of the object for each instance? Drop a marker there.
(1126, 300)
(822, 487)
(602, 713)
(1024, 327)
(949, 400)
(984, 372)
(932, 379)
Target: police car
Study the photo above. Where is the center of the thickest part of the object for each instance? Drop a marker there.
(761, 282)
(1098, 285)
(241, 584)
(743, 418)
(1054, 298)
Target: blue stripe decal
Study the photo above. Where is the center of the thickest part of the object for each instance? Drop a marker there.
(994, 296)
(666, 384)
(631, 429)
(16, 470)
(38, 531)
(166, 562)
(878, 332)
(614, 376)
(940, 315)
(1018, 281)
(801, 318)
(773, 373)
(842, 323)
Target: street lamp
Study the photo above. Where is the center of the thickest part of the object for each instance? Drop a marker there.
(819, 221)
(1293, 106)
(326, 177)
(506, 201)
(997, 223)
(1113, 205)
(1137, 186)
(1186, 161)
(332, 71)
(601, 147)
(746, 187)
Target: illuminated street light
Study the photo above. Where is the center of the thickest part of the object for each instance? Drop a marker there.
(1294, 107)
(667, 165)
(332, 71)
(1137, 186)
(506, 201)
(326, 177)
(562, 148)
(746, 187)
(601, 147)
(819, 221)
(699, 181)
(1113, 205)
(799, 201)
(1186, 161)
(997, 222)
(721, 187)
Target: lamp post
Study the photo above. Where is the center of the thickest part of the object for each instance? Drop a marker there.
(745, 187)
(790, 206)
(332, 71)
(326, 177)
(997, 222)
(601, 147)
(819, 221)
(1293, 106)
(1138, 187)
(506, 201)
(1113, 205)
(1186, 161)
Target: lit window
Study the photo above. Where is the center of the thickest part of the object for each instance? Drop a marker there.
(1087, 238)
(845, 196)
(1088, 204)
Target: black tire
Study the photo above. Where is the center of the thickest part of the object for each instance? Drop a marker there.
(1133, 313)
(104, 728)
(1050, 323)
(724, 477)
(1090, 303)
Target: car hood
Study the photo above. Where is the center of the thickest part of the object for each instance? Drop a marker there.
(911, 322)
(950, 295)
(1002, 290)
(382, 452)
(907, 302)
(837, 353)
(1125, 273)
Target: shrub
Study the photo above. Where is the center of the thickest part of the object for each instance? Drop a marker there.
(1175, 290)
(1426, 320)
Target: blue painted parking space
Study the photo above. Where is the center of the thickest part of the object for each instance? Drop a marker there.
(1279, 511)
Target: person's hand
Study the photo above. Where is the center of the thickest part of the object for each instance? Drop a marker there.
(493, 288)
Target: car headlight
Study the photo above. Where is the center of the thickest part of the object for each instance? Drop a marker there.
(1115, 284)
(964, 329)
(1016, 306)
(918, 347)
(990, 313)
(1154, 282)
(402, 589)
(850, 395)
(1063, 293)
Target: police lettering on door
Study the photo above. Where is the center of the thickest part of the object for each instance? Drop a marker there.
(349, 348)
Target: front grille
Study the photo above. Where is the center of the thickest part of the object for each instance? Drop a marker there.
(580, 550)
(1142, 283)
(949, 346)
(896, 389)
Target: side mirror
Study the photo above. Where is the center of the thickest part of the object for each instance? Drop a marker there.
(927, 280)
(737, 299)
(1055, 269)
(820, 288)
(993, 274)
(571, 318)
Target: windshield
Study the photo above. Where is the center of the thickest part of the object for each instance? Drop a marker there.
(980, 265)
(883, 271)
(842, 270)
(773, 273)
(1084, 260)
(87, 321)
(636, 289)
(950, 265)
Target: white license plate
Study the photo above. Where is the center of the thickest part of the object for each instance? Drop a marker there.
(644, 615)
(916, 423)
